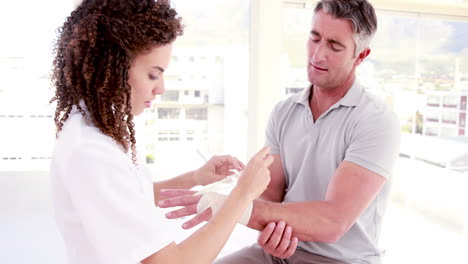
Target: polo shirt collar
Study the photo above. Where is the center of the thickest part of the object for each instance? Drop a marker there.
(353, 96)
(303, 96)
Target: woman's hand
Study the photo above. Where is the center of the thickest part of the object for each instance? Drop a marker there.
(216, 169)
(254, 181)
(256, 175)
(188, 201)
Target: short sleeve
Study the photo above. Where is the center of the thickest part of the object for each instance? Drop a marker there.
(272, 133)
(120, 221)
(375, 143)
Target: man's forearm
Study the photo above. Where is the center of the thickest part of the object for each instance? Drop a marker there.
(273, 195)
(310, 221)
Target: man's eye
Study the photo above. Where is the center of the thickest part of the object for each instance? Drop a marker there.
(334, 48)
(153, 77)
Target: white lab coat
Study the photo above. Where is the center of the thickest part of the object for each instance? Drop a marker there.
(104, 204)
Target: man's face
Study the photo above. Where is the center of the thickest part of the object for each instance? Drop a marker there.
(330, 50)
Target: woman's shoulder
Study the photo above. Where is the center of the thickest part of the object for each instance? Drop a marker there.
(80, 139)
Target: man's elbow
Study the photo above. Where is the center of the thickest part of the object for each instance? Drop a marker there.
(333, 236)
(335, 231)
(328, 234)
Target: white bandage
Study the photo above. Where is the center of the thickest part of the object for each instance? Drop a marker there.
(214, 199)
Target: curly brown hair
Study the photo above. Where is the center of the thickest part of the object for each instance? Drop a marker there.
(93, 53)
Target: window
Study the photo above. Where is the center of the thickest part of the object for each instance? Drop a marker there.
(449, 117)
(196, 113)
(204, 93)
(433, 100)
(463, 102)
(449, 131)
(170, 96)
(168, 113)
(432, 115)
(431, 130)
(462, 121)
(26, 118)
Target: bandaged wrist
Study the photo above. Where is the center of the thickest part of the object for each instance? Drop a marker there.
(215, 201)
(214, 197)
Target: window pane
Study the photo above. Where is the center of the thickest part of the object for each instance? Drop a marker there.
(206, 89)
(167, 113)
(196, 113)
(28, 131)
(170, 96)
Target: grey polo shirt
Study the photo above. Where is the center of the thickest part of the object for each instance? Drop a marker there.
(359, 128)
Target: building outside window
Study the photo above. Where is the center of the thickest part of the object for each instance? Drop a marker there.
(170, 96)
(196, 113)
(168, 113)
(207, 89)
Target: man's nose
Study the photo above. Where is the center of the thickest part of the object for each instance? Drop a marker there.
(319, 53)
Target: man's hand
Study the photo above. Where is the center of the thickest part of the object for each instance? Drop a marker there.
(189, 201)
(217, 168)
(276, 240)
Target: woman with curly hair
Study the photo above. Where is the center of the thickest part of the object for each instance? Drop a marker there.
(109, 65)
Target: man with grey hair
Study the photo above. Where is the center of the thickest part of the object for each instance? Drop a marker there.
(334, 147)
